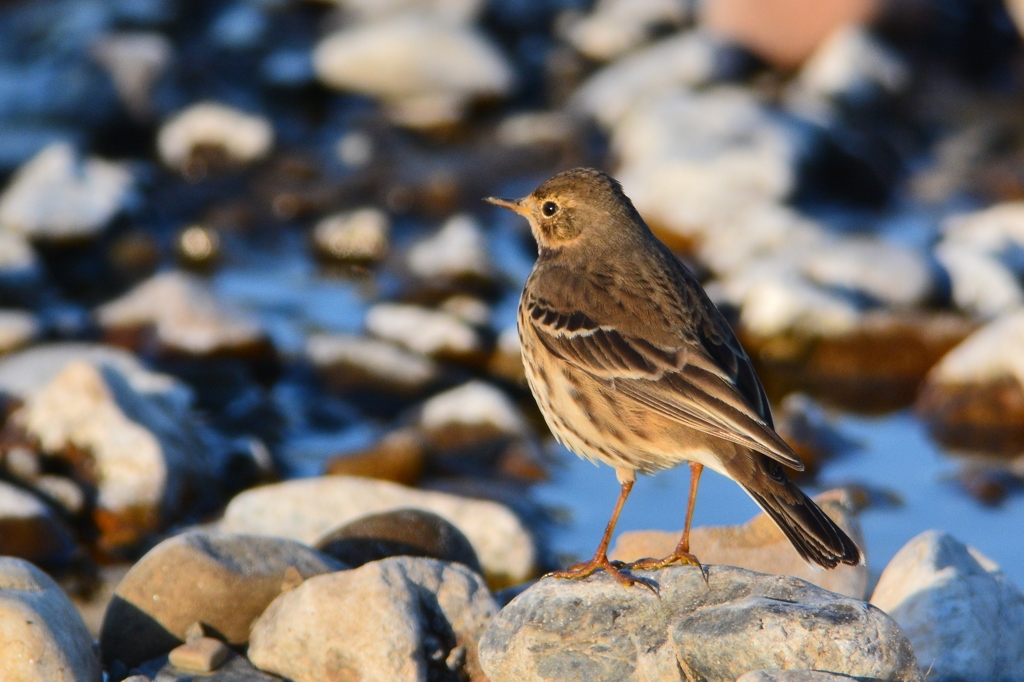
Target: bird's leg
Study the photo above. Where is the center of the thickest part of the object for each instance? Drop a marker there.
(600, 560)
(682, 554)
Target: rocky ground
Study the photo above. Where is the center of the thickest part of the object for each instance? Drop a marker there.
(263, 410)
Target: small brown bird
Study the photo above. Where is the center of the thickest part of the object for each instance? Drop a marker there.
(634, 366)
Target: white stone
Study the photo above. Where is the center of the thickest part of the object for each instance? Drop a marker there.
(144, 450)
(475, 403)
(988, 355)
(895, 275)
(774, 299)
(453, 11)
(306, 510)
(963, 617)
(426, 70)
(982, 285)
(385, 361)
(28, 371)
(615, 27)
(17, 328)
(244, 138)
(688, 160)
(135, 61)
(684, 61)
(184, 313)
(458, 249)
(467, 308)
(426, 613)
(425, 331)
(360, 235)
(849, 63)
(17, 258)
(42, 637)
(990, 230)
(759, 231)
(528, 128)
(56, 195)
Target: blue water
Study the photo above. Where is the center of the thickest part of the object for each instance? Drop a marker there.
(896, 456)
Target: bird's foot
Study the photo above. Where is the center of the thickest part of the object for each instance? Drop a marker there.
(588, 568)
(677, 557)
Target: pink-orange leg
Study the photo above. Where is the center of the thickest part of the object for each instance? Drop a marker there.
(682, 554)
(600, 560)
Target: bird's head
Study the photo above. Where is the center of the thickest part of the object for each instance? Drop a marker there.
(577, 204)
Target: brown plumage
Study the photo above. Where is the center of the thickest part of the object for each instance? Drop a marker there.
(633, 366)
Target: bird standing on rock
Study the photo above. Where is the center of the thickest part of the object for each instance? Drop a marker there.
(632, 365)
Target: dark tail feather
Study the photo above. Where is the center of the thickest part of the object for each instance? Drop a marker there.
(814, 535)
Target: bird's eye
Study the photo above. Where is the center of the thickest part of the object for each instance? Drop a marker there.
(549, 208)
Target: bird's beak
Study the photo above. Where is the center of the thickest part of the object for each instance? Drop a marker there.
(511, 204)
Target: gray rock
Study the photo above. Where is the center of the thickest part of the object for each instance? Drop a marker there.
(399, 619)
(402, 532)
(237, 669)
(358, 237)
(964, 618)
(457, 251)
(308, 509)
(359, 364)
(596, 629)
(57, 196)
(220, 580)
(425, 331)
(42, 637)
(135, 61)
(30, 529)
(792, 676)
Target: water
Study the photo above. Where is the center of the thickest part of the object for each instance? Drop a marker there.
(896, 456)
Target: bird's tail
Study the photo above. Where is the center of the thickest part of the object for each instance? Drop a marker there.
(814, 535)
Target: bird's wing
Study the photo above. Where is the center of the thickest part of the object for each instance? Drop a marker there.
(709, 386)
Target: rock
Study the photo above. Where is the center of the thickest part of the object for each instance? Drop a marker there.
(19, 267)
(548, 129)
(30, 529)
(974, 397)
(220, 134)
(401, 532)
(851, 67)
(615, 27)
(201, 655)
(356, 365)
(425, 70)
(758, 545)
(236, 669)
(688, 160)
(458, 252)
(982, 284)
(28, 371)
(135, 62)
(428, 332)
(308, 509)
(56, 196)
(686, 60)
(221, 580)
(469, 414)
(426, 619)
(595, 629)
(870, 361)
(135, 441)
(17, 328)
(185, 317)
(399, 456)
(507, 361)
(42, 638)
(792, 676)
(964, 618)
(198, 248)
(453, 11)
(981, 252)
(358, 238)
(783, 32)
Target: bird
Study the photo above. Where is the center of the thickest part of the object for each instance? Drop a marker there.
(632, 365)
